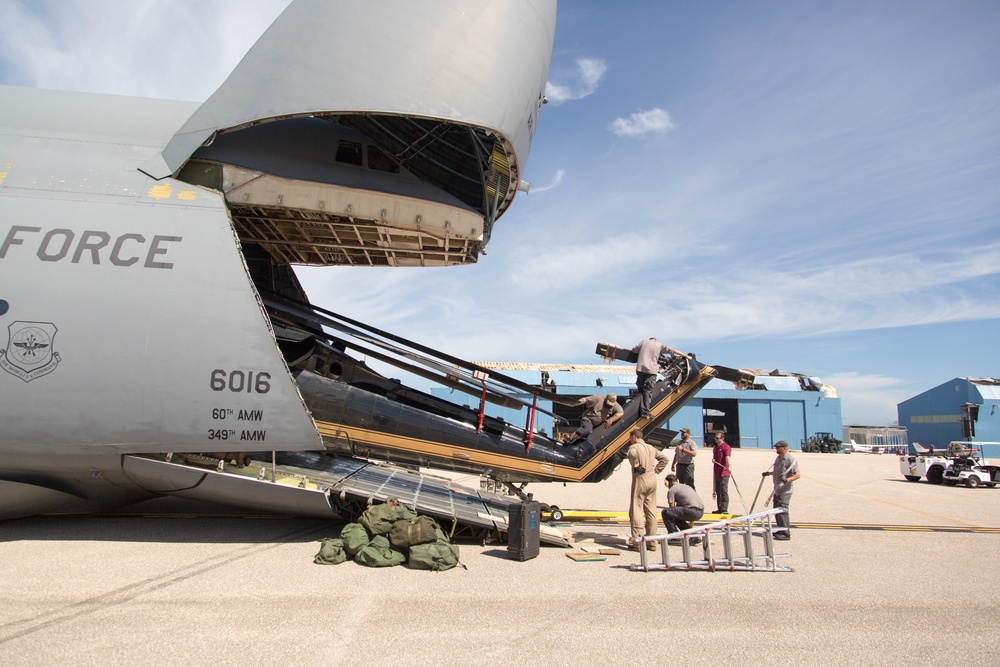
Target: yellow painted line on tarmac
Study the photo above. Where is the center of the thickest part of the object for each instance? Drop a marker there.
(619, 518)
(899, 528)
(584, 517)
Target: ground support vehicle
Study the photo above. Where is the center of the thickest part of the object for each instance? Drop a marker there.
(821, 443)
(970, 472)
(915, 467)
(953, 466)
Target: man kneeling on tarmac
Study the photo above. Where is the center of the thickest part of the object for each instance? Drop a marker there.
(684, 507)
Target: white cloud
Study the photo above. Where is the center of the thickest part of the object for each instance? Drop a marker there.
(573, 266)
(654, 121)
(778, 297)
(583, 81)
(868, 399)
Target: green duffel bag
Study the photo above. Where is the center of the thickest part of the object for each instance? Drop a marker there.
(402, 511)
(378, 553)
(355, 538)
(405, 534)
(331, 552)
(435, 556)
(378, 519)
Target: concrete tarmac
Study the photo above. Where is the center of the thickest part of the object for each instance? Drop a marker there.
(182, 590)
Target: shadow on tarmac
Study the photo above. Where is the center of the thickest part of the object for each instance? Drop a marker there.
(170, 520)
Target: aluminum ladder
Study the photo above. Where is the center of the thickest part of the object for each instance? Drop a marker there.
(731, 534)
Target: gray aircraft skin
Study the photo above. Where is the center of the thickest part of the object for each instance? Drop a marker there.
(136, 236)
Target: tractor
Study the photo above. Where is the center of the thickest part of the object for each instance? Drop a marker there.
(821, 442)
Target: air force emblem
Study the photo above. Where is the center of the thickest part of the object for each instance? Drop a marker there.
(30, 353)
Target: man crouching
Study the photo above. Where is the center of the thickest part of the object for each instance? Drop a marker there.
(683, 507)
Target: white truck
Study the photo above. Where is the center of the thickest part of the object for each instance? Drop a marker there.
(958, 464)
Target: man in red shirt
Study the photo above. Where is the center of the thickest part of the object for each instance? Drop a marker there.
(721, 460)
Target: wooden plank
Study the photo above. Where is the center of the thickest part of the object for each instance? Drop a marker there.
(585, 557)
(554, 532)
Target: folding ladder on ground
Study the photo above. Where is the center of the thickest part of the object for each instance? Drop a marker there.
(730, 535)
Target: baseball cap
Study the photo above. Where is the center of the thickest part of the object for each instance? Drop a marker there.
(780, 443)
(686, 430)
(610, 398)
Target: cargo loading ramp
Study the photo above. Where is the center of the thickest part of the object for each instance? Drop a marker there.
(322, 486)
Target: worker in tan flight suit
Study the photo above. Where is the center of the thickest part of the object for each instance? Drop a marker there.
(647, 462)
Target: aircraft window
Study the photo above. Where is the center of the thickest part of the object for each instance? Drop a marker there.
(379, 161)
(349, 152)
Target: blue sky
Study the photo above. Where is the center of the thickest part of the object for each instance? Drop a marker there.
(807, 186)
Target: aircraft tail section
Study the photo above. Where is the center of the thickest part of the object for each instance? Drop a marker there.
(436, 59)
(405, 131)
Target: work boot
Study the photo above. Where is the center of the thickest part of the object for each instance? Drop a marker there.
(651, 546)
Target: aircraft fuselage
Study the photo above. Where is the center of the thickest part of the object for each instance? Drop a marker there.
(134, 233)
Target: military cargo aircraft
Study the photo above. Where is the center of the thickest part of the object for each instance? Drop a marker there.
(157, 340)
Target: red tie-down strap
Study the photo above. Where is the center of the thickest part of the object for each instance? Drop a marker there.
(482, 377)
(530, 425)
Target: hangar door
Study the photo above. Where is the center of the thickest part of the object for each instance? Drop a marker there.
(755, 423)
(788, 422)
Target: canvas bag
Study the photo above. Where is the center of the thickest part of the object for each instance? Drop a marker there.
(378, 553)
(378, 519)
(405, 534)
(435, 556)
(331, 552)
(355, 538)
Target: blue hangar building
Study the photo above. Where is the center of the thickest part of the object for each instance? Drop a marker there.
(779, 406)
(964, 409)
